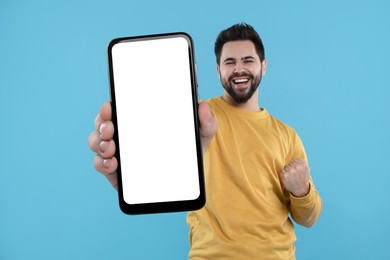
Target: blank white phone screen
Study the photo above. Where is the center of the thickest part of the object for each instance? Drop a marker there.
(155, 120)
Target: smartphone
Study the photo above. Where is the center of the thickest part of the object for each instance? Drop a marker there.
(153, 87)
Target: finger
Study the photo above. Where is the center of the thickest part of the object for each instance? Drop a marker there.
(208, 124)
(301, 164)
(98, 121)
(105, 166)
(105, 111)
(108, 168)
(106, 130)
(107, 149)
(94, 141)
(103, 115)
(298, 160)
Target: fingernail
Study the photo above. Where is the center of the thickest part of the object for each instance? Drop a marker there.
(106, 163)
(103, 146)
(101, 128)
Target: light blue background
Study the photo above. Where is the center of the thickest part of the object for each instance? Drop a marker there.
(328, 77)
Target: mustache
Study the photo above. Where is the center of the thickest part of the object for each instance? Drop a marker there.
(242, 74)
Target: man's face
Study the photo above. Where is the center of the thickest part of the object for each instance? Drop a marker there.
(240, 69)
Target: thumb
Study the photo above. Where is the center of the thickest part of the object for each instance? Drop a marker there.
(208, 124)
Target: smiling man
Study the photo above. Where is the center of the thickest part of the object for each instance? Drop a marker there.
(240, 72)
(256, 170)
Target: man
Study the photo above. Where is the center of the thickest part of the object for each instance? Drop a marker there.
(256, 169)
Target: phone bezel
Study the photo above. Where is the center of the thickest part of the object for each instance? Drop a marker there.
(169, 206)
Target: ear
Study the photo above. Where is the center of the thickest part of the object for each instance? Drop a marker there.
(218, 71)
(263, 67)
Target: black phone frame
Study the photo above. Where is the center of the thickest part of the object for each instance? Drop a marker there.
(169, 206)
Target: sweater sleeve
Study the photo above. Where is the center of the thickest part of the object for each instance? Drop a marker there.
(305, 210)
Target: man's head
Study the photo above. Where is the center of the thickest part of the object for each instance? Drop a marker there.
(240, 61)
(238, 32)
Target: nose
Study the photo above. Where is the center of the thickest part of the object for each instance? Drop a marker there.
(239, 67)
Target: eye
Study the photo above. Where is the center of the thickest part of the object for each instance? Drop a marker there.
(229, 61)
(248, 61)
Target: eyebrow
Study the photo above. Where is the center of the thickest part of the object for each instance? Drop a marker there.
(229, 59)
(244, 58)
(248, 58)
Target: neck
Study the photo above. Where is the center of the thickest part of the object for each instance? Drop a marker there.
(252, 105)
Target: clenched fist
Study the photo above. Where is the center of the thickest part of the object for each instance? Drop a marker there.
(295, 177)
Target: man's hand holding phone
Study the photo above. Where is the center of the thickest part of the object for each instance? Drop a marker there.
(102, 143)
(101, 140)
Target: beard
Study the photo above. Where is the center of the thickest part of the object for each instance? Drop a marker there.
(241, 97)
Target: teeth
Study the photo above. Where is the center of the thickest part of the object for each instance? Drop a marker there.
(240, 80)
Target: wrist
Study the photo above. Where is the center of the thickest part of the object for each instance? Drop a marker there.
(301, 193)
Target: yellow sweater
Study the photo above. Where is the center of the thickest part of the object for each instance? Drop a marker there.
(246, 215)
